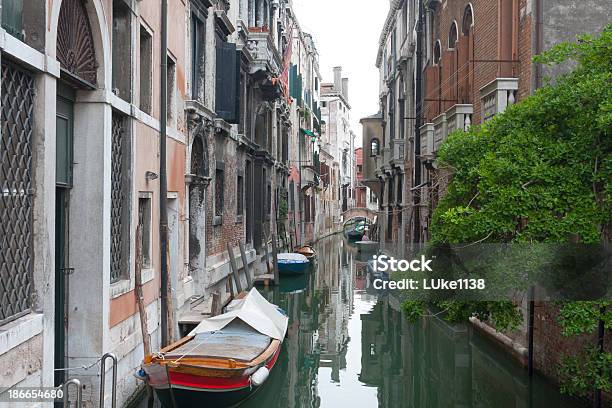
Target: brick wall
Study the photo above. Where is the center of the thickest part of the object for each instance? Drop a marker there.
(475, 61)
(525, 49)
(230, 230)
(550, 344)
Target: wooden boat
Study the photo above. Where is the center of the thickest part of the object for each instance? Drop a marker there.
(224, 360)
(354, 235)
(307, 251)
(289, 263)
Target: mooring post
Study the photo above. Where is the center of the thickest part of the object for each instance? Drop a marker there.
(275, 260)
(245, 265)
(235, 273)
(267, 253)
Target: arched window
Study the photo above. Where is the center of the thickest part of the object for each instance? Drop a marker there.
(199, 156)
(75, 44)
(437, 52)
(453, 36)
(374, 147)
(468, 20)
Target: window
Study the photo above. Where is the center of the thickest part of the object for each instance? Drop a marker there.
(171, 86)
(146, 70)
(198, 41)
(400, 188)
(468, 20)
(324, 104)
(120, 193)
(306, 208)
(405, 19)
(359, 168)
(219, 191)
(291, 196)
(122, 50)
(239, 195)
(437, 53)
(374, 147)
(144, 224)
(453, 36)
(269, 201)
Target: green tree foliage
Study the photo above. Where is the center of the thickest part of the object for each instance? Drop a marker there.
(539, 172)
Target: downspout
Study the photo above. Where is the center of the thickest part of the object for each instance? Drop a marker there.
(163, 182)
(538, 44)
(301, 196)
(417, 121)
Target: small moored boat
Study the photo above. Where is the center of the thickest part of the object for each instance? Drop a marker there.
(224, 360)
(289, 263)
(307, 251)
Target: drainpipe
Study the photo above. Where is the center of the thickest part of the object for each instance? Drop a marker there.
(163, 182)
(417, 121)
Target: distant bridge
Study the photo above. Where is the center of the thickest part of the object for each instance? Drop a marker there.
(358, 214)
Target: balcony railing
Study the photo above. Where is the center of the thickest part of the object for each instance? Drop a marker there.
(440, 131)
(459, 117)
(266, 55)
(497, 95)
(427, 140)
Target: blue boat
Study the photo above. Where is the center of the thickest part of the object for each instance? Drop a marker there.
(292, 264)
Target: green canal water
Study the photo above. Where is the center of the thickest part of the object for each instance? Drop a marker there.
(349, 347)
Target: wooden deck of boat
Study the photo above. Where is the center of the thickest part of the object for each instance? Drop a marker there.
(235, 341)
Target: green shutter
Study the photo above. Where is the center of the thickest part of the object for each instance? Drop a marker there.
(226, 93)
(12, 17)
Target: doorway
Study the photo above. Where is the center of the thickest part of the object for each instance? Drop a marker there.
(63, 181)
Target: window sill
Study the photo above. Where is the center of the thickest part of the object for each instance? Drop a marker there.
(19, 331)
(124, 286)
(217, 220)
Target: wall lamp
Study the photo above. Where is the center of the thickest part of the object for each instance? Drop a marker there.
(149, 176)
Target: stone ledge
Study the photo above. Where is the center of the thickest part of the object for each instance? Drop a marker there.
(19, 331)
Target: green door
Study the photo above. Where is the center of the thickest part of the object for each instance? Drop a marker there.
(64, 137)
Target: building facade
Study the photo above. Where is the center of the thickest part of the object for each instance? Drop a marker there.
(388, 136)
(476, 59)
(337, 151)
(83, 120)
(364, 196)
(461, 62)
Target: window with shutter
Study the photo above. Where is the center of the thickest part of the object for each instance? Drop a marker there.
(227, 98)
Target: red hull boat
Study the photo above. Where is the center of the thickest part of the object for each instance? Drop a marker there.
(224, 360)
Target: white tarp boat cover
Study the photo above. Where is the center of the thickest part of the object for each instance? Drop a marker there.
(290, 257)
(255, 311)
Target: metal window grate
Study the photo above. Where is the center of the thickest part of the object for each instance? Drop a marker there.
(118, 196)
(16, 192)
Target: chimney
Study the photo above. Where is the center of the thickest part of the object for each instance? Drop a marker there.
(345, 88)
(338, 79)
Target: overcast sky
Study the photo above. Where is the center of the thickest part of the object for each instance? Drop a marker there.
(346, 33)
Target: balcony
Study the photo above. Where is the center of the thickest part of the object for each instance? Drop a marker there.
(459, 117)
(310, 177)
(266, 56)
(440, 131)
(496, 96)
(427, 141)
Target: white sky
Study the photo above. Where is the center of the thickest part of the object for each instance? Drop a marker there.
(346, 33)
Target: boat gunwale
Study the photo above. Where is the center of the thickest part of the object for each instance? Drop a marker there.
(213, 363)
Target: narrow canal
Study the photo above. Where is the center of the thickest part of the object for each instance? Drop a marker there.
(348, 347)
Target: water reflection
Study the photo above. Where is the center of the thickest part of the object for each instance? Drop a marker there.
(347, 347)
